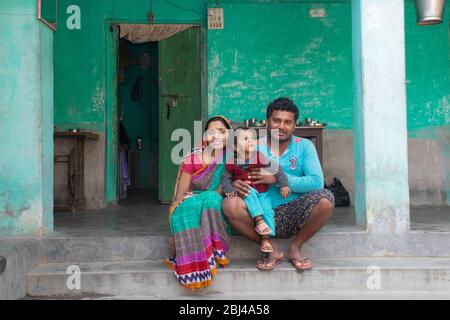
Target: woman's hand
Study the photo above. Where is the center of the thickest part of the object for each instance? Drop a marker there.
(183, 186)
(261, 176)
(173, 205)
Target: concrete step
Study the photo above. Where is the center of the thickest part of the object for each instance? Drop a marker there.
(324, 244)
(299, 295)
(150, 278)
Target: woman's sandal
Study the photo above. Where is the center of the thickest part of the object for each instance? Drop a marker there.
(275, 263)
(264, 230)
(306, 263)
(266, 246)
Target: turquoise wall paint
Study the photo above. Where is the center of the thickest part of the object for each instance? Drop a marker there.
(111, 113)
(381, 155)
(315, 69)
(427, 71)
(80, 79)
(47, 124)
(309, 60)
(26, 121)
(49, 8)
(267, 51)
(142, 120)
(428, 84)
(358, 142)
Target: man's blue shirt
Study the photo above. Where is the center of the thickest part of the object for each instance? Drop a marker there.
(301, 165)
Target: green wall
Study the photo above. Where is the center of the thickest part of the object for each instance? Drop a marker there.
(80, 77)
(427, 71)
(310, 60)
(291, 54)
(48, 10)
(26, 120)
(281, 51)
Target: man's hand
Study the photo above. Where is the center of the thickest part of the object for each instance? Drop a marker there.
(242, 187)
(285, 192)
(261, 176)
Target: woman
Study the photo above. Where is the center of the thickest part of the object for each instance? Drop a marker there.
(199, 233)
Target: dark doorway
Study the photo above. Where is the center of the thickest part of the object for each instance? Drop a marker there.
(161, 87)
(138, 118)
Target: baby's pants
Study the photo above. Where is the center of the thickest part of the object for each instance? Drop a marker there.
(259, 204)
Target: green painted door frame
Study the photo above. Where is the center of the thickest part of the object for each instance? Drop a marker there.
(111, 120)
(111, 116)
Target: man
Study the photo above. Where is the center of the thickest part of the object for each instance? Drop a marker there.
(306, 210)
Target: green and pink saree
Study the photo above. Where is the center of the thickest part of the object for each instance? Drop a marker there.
(199, 228)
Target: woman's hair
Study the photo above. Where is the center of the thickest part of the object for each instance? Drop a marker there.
(222, 119)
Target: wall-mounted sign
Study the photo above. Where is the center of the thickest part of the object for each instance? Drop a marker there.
(47, 12)
(215, 18)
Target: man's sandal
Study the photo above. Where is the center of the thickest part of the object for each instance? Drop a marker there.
(266, 246)
(306, 263)
(273, 261)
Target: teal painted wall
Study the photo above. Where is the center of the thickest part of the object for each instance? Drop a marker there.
(310, 60)
(26, 121)
(49, 10)
(142, 120)
(427, 71)
(281, 51)
(381, 156)
(80, 77)
(358, 140)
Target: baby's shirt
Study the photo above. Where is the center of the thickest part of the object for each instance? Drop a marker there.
(240, 171)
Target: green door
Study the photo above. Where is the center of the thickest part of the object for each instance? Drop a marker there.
(180, 98)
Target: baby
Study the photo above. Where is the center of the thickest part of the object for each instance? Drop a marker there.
(259, 205)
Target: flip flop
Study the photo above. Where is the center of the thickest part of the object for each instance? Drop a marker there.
(305, 261)
(276, 262)
(265, 231)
